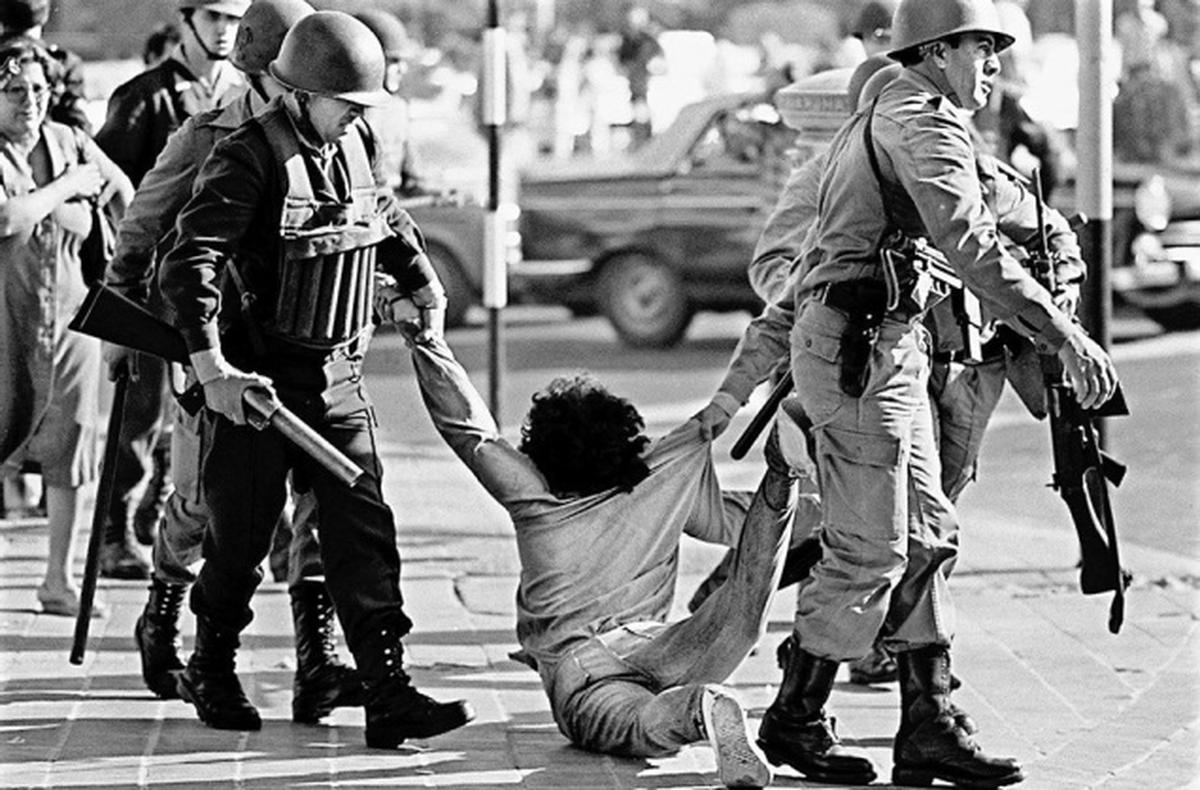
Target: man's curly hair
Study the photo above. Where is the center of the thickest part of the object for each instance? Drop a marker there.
(583, 438)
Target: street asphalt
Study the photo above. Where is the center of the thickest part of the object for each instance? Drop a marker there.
(1043, 677)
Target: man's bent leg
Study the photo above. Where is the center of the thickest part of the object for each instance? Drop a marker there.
(709, 645)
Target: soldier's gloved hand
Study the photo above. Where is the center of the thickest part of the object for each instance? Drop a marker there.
(224, 385)
(118, 357)
(431, 301)
(1089, 370)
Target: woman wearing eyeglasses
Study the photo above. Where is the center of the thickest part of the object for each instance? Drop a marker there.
(51, 176)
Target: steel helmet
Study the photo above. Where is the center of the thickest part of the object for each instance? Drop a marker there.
(17, 16)
(329, 53)
(866, 74)
(875, 15)
(261, 32)
(920, 22)
(390, 31)
(231, 7)
(875, 84)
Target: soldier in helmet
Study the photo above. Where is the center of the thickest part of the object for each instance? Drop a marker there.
(391, 120)
(860, 360)
(142, 113)
(322, 682)
(291, 205)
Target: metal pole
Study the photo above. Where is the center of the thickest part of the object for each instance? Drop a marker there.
(1094, 173)
(495, 275)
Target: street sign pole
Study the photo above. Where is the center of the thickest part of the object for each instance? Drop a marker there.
(495, 274)
(1094, 172)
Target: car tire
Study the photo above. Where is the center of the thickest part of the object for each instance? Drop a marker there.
(645, 301)
(459, 293)
(1176, 318)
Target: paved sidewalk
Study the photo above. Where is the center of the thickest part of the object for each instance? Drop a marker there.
(1043, 677)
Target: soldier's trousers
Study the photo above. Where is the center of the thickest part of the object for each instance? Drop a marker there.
(889, 533)
(964, 398)
(180, 539)
(244, 482)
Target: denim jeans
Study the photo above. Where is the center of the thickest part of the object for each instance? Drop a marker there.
(889, 534)
(636, 690)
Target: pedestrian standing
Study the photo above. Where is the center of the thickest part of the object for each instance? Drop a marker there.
(53, 181)
(142, 114)
(861, 364)
(294, 200)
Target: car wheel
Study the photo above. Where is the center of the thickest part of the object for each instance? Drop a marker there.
(1176, 317)
(645, 301)
(459, 293)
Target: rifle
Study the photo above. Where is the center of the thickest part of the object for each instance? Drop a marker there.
(1082, 469)
(108, 477)
(107, 315)
(914, 271)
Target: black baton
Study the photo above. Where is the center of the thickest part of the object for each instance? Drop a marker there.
(764, 415)
(108, 475)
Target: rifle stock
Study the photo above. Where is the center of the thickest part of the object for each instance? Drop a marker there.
(109, 316)
(1082, 470)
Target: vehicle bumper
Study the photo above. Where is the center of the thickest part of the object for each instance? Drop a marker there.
(1163, 273)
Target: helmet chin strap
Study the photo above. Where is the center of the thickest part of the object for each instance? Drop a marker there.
(208, 53)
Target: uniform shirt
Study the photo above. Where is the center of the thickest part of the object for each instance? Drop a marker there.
(786, 252)
(235, 209)
(149, 220)
(589, 564)
(143, 112)
(929, 173)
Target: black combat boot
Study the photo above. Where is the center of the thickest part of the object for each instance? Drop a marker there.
(209, 682)
(396, 711)
(931, 744)
(322, 681)
(154, 500)
(795, 729)
(157, 637)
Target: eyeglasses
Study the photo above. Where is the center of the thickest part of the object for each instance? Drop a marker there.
(16, 93)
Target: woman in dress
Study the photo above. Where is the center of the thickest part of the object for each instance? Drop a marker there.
(51, 179)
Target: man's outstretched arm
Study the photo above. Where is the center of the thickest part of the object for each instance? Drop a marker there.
(461, 417)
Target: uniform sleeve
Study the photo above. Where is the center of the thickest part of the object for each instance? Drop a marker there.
(935, 164)
(1016, 217)
(159, 199)
(125, 133)
(462, 418)
(782, 238)
(403, 255)
(229, 188)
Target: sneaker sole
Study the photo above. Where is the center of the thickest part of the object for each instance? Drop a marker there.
(739, 761)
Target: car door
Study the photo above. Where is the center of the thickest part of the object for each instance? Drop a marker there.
(715, 204)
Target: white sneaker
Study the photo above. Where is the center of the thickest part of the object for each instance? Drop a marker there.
(740, 763)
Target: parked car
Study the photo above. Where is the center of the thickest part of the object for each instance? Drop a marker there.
(454, 239)
(1156, 241)
(649, 238)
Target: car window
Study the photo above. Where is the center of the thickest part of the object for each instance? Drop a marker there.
(736, 139)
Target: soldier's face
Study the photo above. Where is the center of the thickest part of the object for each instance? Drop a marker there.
(331, 117)
(215, 30)
(971, 69)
